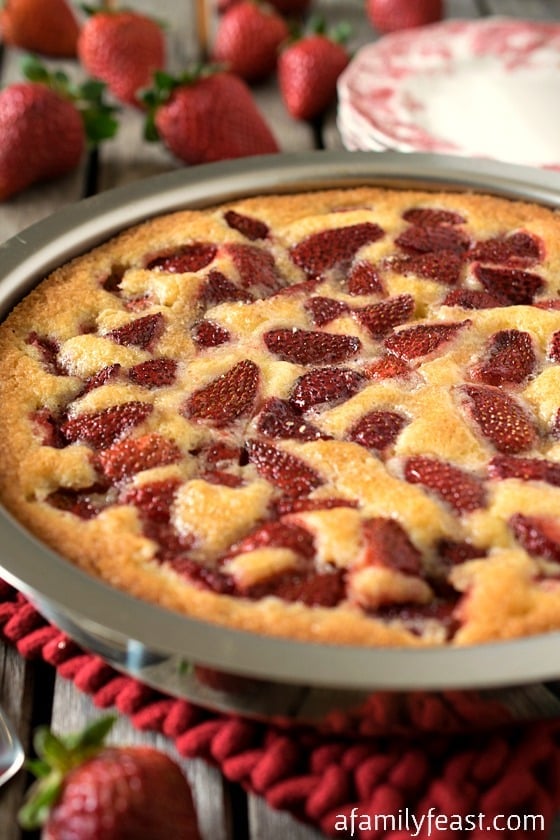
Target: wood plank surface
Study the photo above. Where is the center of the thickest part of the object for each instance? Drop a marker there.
(29, 691)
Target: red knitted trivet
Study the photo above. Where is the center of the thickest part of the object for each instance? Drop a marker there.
(330, 781)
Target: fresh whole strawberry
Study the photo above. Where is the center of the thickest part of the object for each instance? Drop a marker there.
(207, 117)
(248, 39)
(123, 49)
(41, 136)
(308, 71)
(88, 791)
(45, 124)
(390, 15)
(291, 7)
(288, 8)
(48, 27)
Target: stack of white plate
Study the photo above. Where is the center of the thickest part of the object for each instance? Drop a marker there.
(486, 88)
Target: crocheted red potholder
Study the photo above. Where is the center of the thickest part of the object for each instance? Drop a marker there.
(476, 783)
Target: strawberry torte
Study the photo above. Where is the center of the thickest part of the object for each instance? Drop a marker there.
(332, 416)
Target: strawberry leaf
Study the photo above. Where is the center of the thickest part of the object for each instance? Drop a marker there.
(33, 69)
(99, 125)
(93, 735)
(50, 748)
(39, 769)
(164, 82)
(41, 797)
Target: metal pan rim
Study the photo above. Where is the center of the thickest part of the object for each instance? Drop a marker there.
(70, 595)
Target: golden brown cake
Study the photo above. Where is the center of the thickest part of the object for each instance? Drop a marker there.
(331, 416)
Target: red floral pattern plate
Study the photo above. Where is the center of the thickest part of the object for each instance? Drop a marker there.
(485, 88)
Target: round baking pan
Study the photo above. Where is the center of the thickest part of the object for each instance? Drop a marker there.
(339, 687)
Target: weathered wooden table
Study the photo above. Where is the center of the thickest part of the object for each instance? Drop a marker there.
(30, 691)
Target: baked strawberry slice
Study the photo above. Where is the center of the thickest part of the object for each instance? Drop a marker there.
(216, 461)
(380, 318)
(127, 457)
(138, 304)
(143, 332)
(327, 385)
(554, 349)
(432, 217)
(279, 419)
(417, 617)
(209, 334)
(47, 428)
(323, 310)
(321, 251)
(548, 303)
(247, 226)
(510, 285)
(112, 281)
(314, 589)
(199, 575)
(187, 258)
(441, 266)
(539, 535)
(85, 503)
(155, 373)
(510, 358)
(387, 544)
(387, 367)
(305, 347)
(102, 377)
(526, 469)
(363, 279)
(153, 499)
(426, 239)
(289, 504)
(303, 288)
(501, 419)
(257, 270)
(422, 339)
(472, 299)
(229, 396)
(555, 428)
(217, 289)
(222, 477)
(520, 247)
(102, 428)
(453, 553)
(221, 454)
(284, 470)
(48, 353)
(378, 429)
(276, 534)
(459, 489)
